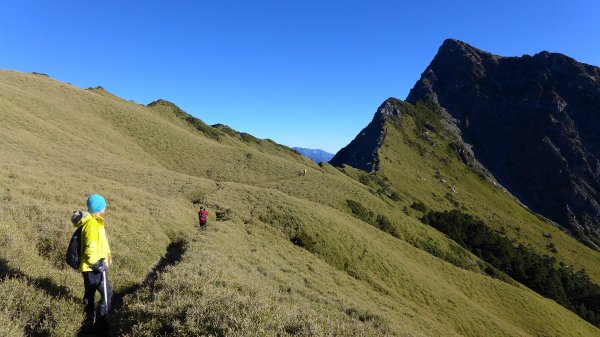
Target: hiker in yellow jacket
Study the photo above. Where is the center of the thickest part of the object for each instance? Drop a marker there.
(95, 260)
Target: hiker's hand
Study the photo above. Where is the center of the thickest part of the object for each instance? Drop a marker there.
(99, 267)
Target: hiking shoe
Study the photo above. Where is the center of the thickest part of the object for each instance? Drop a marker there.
(88, 325)
(102, 326)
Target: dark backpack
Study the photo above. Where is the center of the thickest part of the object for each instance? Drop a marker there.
(74, 250)
(73, 256)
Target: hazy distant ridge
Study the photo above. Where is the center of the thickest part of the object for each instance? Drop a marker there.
(315, 155)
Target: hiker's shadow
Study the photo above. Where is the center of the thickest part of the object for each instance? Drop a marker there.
(93, 332)
(42, 283)
(121, 320)
(173, 255)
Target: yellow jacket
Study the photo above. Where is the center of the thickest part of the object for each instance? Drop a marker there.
(94, 244)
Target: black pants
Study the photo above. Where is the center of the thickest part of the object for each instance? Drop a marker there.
(93, 282)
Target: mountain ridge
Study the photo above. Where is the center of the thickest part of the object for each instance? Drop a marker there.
(334, 252)
(517, 111)
(361, 152)
(316, 155)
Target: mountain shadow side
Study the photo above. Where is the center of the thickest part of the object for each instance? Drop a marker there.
(361, 153)
(533, 121)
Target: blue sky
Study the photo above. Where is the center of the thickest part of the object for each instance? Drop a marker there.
(303, 73)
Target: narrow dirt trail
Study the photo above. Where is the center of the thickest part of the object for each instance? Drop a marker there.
(174, 253)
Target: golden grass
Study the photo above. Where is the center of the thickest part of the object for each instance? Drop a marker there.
(242, 276)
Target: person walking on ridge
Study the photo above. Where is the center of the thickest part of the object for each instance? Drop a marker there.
(202, 217)
(95, 261)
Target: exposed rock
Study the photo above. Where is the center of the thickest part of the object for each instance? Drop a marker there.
(362, 151)
(534, 122)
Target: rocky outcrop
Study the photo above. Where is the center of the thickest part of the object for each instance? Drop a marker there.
(361, 153)
(533, 121)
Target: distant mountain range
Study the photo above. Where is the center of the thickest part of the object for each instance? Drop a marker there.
(315, 155)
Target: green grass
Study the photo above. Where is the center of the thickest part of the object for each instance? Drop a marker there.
(291, 258)
(432, 175)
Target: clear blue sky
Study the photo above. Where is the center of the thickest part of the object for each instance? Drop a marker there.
(303, 73)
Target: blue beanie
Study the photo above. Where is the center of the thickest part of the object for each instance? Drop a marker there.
(96, 203)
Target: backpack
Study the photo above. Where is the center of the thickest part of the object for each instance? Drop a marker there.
(73, 251)
(73, 256)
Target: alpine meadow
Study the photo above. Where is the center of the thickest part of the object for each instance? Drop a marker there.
(338, 251)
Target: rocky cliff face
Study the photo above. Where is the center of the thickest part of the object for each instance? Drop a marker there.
(362, 151)
(533, 121)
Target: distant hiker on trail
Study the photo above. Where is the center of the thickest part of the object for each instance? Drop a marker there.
(95, 261)
(202, 217)
(304, 172)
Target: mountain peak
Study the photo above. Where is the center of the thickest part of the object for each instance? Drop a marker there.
(163, 102)
(455, 60)
(391, 107)
(456, 48)
(453, 43)
(361, 153)
(514, 109)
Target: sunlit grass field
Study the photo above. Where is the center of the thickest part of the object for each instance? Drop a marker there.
(285, 256)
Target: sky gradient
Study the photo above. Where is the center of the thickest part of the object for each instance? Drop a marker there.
(303, 73)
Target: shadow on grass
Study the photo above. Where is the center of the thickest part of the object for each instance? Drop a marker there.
(43, 283)
(173, 255)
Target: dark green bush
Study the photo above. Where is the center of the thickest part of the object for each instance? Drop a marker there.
(368, 216)
(419, 206)
(361, 211)
(303, 239)
(573, 290)
(385, 225)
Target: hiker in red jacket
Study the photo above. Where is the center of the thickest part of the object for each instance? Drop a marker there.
(202, 217)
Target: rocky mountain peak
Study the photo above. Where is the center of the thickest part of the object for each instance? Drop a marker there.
(362, 151)
(459, 49)
(388, 109)
(533, 121)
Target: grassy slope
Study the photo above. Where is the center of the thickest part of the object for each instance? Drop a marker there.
(410, 163)
(243, 275)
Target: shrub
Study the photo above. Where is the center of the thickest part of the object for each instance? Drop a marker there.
(385, 225)
(360, 211)
(419, 206)
(303, 239)
(368, 216)
(573, 290)
(395, 196)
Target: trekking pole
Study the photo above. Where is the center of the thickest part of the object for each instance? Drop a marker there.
(104, 289)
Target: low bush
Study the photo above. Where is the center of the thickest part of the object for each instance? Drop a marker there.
(419, 206)
(572, 289)
(368, 216)
(360, 211)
